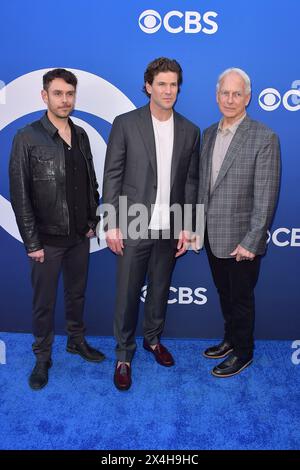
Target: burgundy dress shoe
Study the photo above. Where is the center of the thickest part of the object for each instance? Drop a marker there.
(122, 376)
(161, 354)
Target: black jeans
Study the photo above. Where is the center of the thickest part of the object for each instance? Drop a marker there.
(235, 282)
(73, 262)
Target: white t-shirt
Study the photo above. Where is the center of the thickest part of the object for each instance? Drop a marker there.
(164, 139)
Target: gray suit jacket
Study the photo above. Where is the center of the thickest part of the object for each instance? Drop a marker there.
(130, 165)
(241, 206)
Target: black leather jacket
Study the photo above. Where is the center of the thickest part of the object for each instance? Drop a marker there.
(38, 183)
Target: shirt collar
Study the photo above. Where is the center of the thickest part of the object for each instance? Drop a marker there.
(232, 129)
(52, 130)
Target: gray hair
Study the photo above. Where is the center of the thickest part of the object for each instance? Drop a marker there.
(242, 74)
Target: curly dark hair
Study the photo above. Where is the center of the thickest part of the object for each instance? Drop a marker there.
(162, 64)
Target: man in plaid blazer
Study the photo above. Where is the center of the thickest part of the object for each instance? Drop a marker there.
(239, 182)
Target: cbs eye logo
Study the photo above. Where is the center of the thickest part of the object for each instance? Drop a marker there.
(150, 21)
(270, 98)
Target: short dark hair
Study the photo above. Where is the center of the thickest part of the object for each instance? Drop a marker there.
(162, 64)
(66, 75)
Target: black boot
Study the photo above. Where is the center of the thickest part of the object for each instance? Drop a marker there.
(39, 375)
(85, 350)
(218, 351)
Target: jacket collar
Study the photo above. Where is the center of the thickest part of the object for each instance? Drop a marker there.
(52, 130)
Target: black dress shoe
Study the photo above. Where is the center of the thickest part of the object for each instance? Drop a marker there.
(161, 354)
(122, 376)
(218, 351)
(39, 375)
(85, 350)
(231, 366)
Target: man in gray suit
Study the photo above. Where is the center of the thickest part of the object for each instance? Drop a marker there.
(239, 183)
(152, 159)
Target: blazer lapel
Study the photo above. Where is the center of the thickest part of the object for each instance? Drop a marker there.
(233, 150)
(146, 129)
(178, 144)
(207, 153)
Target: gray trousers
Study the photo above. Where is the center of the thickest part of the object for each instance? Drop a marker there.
(156, 258)
(73, 262)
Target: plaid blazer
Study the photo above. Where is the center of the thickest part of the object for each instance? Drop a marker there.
(240, 207)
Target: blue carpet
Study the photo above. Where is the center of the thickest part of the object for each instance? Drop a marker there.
(183, 407)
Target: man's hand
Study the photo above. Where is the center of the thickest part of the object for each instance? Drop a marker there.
(183, 243)
(38, 256)
(114, 240)
(90, 233)
(195, 243)
(241, 254)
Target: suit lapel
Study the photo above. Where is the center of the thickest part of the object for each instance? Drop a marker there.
(146, 129)
(233, 151)
(178, 144)
(207, 154)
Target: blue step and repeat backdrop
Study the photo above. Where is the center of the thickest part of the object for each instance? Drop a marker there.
(109, 44)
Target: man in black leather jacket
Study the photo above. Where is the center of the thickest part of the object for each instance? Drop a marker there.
(54, 195)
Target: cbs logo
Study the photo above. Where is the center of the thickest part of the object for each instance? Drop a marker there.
(283, 236)
(150, 21)
(270, 98)
(182, 295)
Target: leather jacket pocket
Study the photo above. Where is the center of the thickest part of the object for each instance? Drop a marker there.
(43, 163)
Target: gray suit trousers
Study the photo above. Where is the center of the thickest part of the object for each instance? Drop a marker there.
(156, 258)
